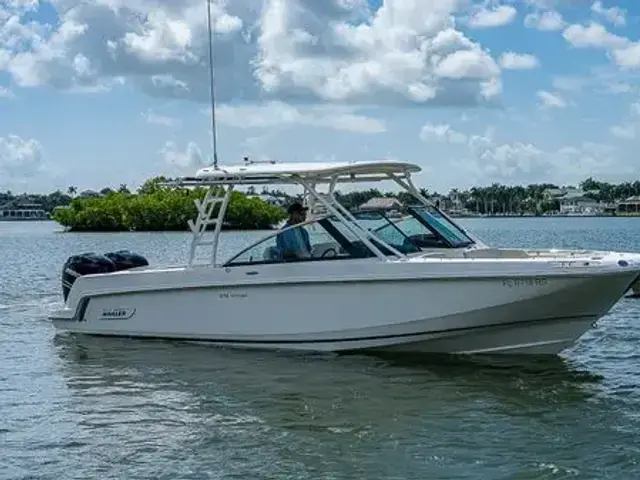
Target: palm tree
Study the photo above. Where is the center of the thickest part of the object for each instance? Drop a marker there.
(72, 191)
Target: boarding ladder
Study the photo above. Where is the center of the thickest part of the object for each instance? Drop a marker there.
(205, 218)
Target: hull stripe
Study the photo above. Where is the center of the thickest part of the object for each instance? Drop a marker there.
(339, 340)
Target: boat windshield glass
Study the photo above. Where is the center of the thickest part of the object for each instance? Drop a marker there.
(403, 231)
(415, 228)
(321, 239)
(326, 238)
(448, 231)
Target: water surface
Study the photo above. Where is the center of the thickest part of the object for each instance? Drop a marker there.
(135, 409)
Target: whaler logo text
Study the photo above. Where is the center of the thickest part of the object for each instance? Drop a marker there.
(117, 313)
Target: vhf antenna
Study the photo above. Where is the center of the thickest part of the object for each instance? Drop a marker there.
(212, 87)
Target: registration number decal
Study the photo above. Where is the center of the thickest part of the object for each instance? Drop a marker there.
(524, 282)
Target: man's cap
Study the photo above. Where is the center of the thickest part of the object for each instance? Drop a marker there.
(296, 207)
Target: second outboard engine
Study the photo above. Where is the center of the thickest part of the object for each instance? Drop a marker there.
(83, 264)
(124, 259)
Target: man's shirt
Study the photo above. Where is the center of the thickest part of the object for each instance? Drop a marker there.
(293, 242)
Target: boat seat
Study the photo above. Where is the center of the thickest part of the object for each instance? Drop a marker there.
(330, 249)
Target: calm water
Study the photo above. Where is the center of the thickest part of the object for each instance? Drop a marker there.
(157, 410)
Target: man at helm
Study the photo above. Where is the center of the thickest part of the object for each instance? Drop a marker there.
(294, 242)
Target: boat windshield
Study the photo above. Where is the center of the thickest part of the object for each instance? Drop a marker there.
(325, 238)
(448, 231)
(416, 228)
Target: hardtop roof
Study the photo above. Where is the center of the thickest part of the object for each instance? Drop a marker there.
(273, 172)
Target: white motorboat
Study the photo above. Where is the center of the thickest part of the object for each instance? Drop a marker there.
(420, 283)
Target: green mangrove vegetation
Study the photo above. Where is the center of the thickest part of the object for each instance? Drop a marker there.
(158, 208)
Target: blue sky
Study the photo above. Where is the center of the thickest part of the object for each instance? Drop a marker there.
(104, 92)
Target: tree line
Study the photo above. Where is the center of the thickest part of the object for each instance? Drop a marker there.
(159, 208)
(119, 208)
(498, 198)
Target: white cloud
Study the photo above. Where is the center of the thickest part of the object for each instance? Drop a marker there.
(624, 52)
(189, 158)
(520, 162)
(635, 108)
(19, 157)
(594, 35)
(511, 161)
(5, 92)
(441, 132)
(608, 80)
(569, 83)
(161, 39)
(407, 50)
(518, 61)
(17, 7)
(96, 42)
(628, 57)
(626, 131)
(278, 114)
(544, 4)
(491, 18)
(615, 15)
(618, 88)
(293, 50)
(551, 100)
(546, 21)
(163, 120)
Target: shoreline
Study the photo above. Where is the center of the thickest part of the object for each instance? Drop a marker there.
(63, 230)
(545, 216)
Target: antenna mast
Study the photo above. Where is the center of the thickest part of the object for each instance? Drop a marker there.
(212, 87)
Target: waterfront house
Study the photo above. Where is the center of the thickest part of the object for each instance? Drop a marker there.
(391, 206)
(22, 211)
(578, 202)
(630, 206)
(554, 193)
(381, 203)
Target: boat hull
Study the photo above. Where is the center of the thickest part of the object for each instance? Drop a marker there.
(541, 337)
(541, 315)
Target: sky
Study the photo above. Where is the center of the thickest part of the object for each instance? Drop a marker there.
(97, 93)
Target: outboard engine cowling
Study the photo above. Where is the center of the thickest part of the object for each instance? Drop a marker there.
(124, 259)
(83, 264)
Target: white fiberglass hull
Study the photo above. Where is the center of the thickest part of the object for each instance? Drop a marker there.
(458, 306)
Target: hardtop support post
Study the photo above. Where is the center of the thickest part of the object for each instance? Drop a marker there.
(221, 214)
(337, 213)
(349, 215)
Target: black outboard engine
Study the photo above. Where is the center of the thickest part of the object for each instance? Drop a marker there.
(83, 264)
(92, 263)
(124, 259)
